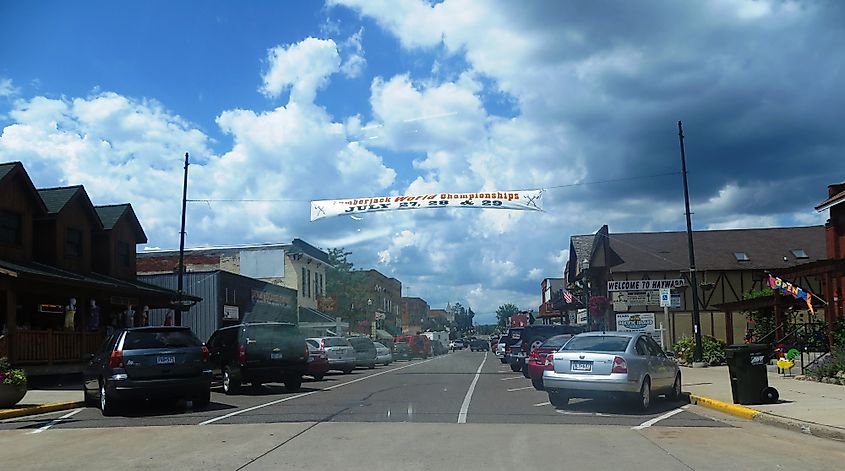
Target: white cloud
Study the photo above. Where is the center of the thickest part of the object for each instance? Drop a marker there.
(6, 88)
(354, 63)
(303, 67)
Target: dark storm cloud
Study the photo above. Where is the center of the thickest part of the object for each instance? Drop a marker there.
(760, 97)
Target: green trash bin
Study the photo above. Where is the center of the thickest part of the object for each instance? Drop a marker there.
(749, 376)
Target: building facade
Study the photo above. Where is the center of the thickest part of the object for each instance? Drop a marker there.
(384, 298)
(414, 311)
(67, 273)
(298, 266)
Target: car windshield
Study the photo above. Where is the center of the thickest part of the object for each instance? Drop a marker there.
(598, 343)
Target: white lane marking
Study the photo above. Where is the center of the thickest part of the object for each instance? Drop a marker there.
(462, 415)
(55, 421)
(547, 403)
(290, 398)
(512, 377)
(520, 389)
(649, 423)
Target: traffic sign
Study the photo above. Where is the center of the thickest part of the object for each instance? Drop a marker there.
(665, 297)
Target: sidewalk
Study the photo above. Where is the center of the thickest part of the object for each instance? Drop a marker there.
(805, 406)
(41, 400)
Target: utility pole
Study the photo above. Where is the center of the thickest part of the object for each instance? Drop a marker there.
(696, 317)
(181, 275)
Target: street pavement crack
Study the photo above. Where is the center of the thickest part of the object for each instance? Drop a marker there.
(285, 442)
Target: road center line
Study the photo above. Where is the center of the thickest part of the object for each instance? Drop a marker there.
(290, 398)
(55, 421)
(462, 415)
(512, 377)
(649, 423)
(520, 389)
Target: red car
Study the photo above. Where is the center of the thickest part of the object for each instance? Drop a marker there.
(540, 359)
(318, 362)
(420, 345)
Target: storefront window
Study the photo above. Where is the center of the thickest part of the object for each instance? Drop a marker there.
(10, 228)
(73, 243)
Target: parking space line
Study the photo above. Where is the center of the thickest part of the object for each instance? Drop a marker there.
(512, 377)
(520, 389)
(649, 423)
(462, 415)
(547, 403)
(290, 398)
(55, 421)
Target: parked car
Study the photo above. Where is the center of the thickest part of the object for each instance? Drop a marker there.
(500, 349)
(612, 363)
(365, 351)
(478, 345)
(340, 352)
(420, 345)
(383, 354)
(534, 335)
(148, 362)
(318, 360)
(257, 353)
(401, 350)
(437, 348)
(513, 347)
(540, 359)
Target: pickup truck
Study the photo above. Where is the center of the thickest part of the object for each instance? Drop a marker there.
(513, 348)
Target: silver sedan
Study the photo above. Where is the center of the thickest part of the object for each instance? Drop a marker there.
(628, 364)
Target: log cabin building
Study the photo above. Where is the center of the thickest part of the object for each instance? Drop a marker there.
(67, 273)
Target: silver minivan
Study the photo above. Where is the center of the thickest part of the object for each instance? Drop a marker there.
(340, 352)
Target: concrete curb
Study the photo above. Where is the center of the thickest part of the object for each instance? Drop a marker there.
(40, 409)
(808, 428)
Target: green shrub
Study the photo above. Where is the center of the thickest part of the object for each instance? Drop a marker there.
(11, 376)
(712, 350)
(831, 366)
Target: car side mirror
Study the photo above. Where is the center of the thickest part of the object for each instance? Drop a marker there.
(669, 354)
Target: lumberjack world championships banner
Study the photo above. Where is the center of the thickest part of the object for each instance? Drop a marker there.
(524, 200)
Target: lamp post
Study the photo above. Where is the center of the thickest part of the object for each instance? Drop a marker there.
(373, 324)
(585, 267)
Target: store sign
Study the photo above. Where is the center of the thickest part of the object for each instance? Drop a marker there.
(231, 313)
(51, 308)
(525, 200)
(622, 300)
(645, 285)
(785, 287)
(635, 322)
(327, 303)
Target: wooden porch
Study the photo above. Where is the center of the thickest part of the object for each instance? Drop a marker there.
(51, 347)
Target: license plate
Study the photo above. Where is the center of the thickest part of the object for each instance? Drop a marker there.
(166, 360)
(275, 355)
(581, 366)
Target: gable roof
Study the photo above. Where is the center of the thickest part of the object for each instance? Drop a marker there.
(300, 246)
(837, 196)
(55, 199)
(12, 168)
(110, 214)
(714, 250)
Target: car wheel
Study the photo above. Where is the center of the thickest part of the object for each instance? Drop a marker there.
(503, 360)
(202, 399)
(293, 383)
(558, 399)
(371, 365)
(318, 377)
(231, 381)
(537, 383)
(675, 394)
(347, 370)
(515, 367)
(644, 397)
(107, 403)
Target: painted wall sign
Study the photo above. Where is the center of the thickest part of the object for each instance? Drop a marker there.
(231, 313)
(645, 285)
(523, 200)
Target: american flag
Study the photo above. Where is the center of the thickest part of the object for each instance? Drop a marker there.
(567, 296)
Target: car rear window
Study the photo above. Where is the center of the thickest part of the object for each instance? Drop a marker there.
(598, 343)
(268, 333)
(360, 342)
(313, 343)
(160, 338)
(335, 342)
(556, 342)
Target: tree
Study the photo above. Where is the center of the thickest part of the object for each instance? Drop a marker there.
(348, 286)
(463, 318)
(504, 312)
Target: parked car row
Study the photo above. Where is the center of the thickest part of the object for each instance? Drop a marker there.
(629, 366)
(171, 362)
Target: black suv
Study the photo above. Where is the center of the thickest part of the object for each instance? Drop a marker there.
(256, 353)
(148, 362)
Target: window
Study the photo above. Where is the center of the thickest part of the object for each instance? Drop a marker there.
(316, 285)
(641, 347)
(741, 256)
(10, 228)
(799, 253)
(304, 285)
(123, 254)
(308, 284)
(653, 347)
(73, 243)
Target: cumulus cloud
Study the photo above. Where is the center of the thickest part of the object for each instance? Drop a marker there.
(354, 62)
(6, 88)
(303, 68)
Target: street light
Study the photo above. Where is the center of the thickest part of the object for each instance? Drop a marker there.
(373, 325)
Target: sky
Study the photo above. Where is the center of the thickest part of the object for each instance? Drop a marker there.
(280, 103)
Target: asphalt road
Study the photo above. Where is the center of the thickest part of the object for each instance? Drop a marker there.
(459, 411)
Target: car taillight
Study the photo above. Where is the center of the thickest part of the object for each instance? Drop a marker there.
(619, 365)
(116, 359)
(204, 354)
(323, 344)
(534, 355)
(507, 349)
(549, 363)
(242, 355)
(307, 352)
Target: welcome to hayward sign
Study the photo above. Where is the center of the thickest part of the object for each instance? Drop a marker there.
(645, 285)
